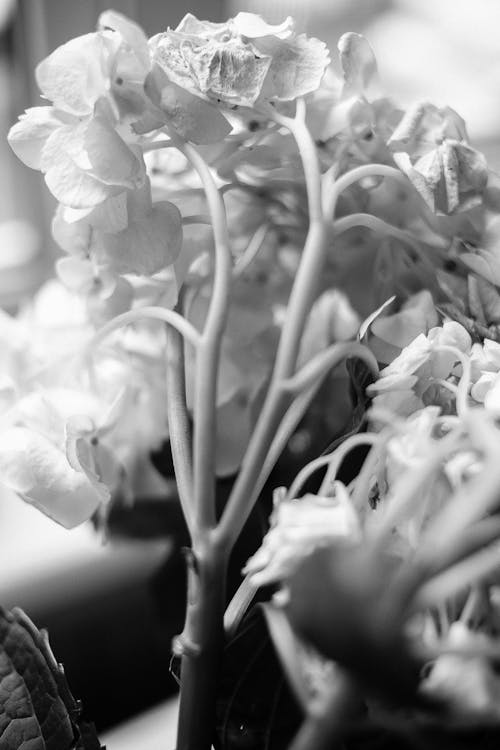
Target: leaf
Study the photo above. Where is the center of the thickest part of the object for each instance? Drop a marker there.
(37, 709)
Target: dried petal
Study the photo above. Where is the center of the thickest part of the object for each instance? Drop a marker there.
(358, 63)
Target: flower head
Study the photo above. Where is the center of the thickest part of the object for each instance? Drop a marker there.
(240, 61)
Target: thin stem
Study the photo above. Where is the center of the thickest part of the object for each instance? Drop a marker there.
(379, 226)
(238, 506)
(325, 361)
(208, 355)
(157, 145)
(145, 313)
(253, 247)
(331, 195)
(178, 423)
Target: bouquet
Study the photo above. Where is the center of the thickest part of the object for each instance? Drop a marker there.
(289, 284)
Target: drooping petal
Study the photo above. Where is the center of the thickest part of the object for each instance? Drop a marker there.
(72, 77)
(39, 472)
(28, 136)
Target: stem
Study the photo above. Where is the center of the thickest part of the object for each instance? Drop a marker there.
(200, 647)
(202, 640)
(332, 460)
(208, 355)
(379, 226)
(330, 196)
(238, 506)
(178, 423)
(145, 313)
(326, 360)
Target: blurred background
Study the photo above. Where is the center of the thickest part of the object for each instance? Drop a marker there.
(445, 51)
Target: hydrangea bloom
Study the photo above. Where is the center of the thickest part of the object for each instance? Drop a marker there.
(241, 61)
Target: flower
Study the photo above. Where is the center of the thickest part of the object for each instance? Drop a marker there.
(297, 528)
(85, 161)
(76, 142)
(412, 379)
(242, 61)
(430, 146)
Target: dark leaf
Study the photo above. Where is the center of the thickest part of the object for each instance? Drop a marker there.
(37, 710)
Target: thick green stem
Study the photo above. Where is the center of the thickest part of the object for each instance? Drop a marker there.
(200, 646)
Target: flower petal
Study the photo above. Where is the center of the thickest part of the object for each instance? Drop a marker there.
(72, 76)
(147, 245)
(191, 116)
(112, 161)
(39, 472)
(28, 136)
(297, 66)
(253, 26)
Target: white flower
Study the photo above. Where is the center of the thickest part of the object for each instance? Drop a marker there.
(297, 528)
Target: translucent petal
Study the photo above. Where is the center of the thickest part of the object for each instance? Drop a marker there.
(297, 66)
(72, 76)
(28, 136)
(147, 245)
(193, 118)
(38, 471)
(131, 33)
